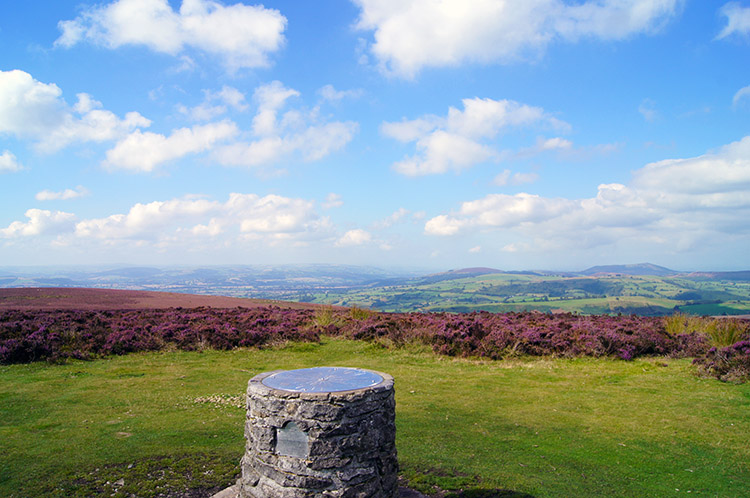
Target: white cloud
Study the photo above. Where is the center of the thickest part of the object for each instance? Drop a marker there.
(9, 163)
(270, 219)
(67, 194)
(391, 220)
(455, 143)
(35, 110)
(443, 225)
(243, 36)
(738, 19)
(316, 142)
(506, 178)
(270, 98)
(272, 214)
(411, 130)
(555, 143)
(276, 135)
(475, 249)
(355, 237)
(40, 222)
(669, 204)
(143, 152)
(333, 201)
(440, 152)
(328, 92)
(215, 104)
(741, 94)
(723, 171)
(146, 220)
(411, 35)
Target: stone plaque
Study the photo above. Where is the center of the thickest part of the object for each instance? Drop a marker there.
(291, 441)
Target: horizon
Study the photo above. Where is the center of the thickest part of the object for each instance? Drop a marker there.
(390, 268)
(534, 134)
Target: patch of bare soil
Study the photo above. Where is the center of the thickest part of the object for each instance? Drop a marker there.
(64, 298)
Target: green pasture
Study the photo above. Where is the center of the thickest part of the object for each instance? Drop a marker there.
(502, 292)
(145, 424)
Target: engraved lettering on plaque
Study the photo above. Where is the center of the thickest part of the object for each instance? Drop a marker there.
(291, 441)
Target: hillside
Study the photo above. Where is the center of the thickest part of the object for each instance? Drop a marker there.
(634, 289)
(643, 289)
(52, 298)
(637, 269)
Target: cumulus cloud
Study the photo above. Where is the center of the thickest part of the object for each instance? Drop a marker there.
(40, 222)
(411, 35)
(355, 237)
(458, 141)
(143, 152)
(270, 219)
(276, 134)
(145, 220)
(64, 195)
(216, 104)
(668, 202)
(35, 110)
(738, 19)
(9, 163)
(242, 36)
(723, 171)
(272, 214)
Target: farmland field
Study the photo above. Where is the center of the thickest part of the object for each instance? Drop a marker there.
(603, 294)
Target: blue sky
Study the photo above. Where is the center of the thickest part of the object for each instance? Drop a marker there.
(515, 134)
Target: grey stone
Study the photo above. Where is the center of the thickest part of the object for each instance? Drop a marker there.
(319, 444)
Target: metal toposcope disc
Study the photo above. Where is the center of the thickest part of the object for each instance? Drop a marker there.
(322, 379)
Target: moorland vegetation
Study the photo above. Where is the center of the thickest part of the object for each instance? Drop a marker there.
(149, 402)
(720, 346)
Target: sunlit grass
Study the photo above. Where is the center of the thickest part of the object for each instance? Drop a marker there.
(546, 427)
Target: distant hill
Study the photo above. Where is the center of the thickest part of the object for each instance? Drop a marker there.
(739, 276)
(644, 289)
(638, 269)
(457, 274)
(59, 298)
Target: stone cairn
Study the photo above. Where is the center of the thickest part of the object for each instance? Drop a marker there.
(325, 432)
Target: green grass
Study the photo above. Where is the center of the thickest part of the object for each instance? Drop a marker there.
(733, 308)
(545, 427)
(642, 295)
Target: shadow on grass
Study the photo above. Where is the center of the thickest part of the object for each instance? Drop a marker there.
(196, 475)
(489, 493)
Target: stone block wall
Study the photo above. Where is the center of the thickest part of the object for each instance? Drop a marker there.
(320, 445)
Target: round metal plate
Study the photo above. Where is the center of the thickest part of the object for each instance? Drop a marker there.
(322, 379)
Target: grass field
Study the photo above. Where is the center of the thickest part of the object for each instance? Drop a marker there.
(146, 423)
(604, 294)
